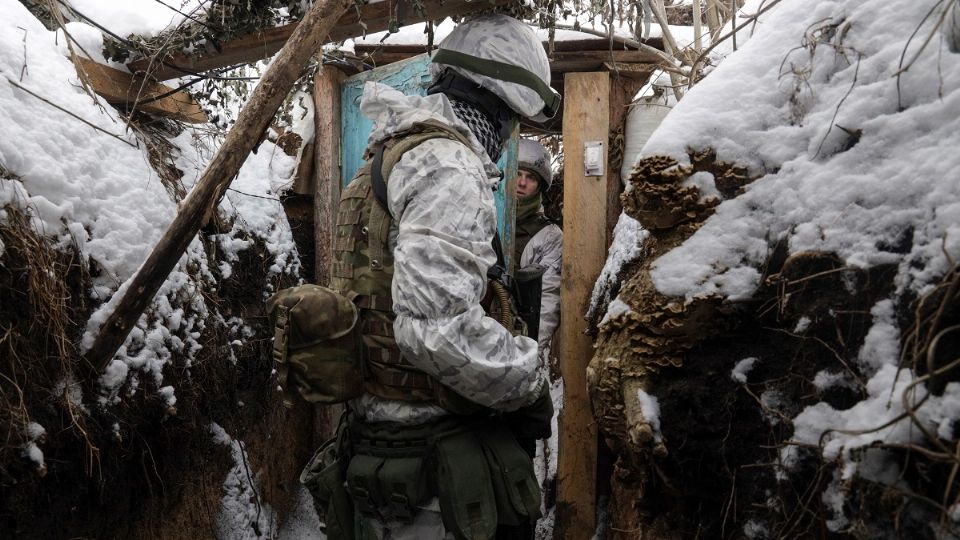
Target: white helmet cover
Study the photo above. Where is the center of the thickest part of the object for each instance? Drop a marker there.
(505, 40)
(534, 157)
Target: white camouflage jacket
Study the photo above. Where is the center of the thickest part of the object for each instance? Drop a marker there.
(546, 249)
(441, 198)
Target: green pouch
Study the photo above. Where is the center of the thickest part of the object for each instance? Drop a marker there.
(513, 478)
(324, 478)
(364, 485)
(315, 344)
(403, 483)
(466, 493)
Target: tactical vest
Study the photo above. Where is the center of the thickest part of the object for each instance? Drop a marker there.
(363, 271)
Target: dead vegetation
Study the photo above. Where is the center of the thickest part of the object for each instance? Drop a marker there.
(128, 464)
(716, 469)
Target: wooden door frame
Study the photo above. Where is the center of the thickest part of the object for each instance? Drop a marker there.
(595, 110)
(596, 101)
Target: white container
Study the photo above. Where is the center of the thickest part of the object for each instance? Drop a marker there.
(643, 118)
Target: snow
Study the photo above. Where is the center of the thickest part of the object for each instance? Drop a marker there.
(94, 191)
(802, 324)
(881, 347)
(242, 515)
(824, 380)
(855, 203)
(143, 17)
(34, 433)
(650, 409)
(627, 246)
(743, 367)
(98, 193)
(881, 417)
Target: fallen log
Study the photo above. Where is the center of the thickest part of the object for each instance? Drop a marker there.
(203, 199)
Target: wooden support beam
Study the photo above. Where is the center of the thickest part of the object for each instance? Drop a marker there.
(326, 100)
(373, 17)
(326, 199)
(561, 62)
(122, 88)
(203, 199)
(585, 201)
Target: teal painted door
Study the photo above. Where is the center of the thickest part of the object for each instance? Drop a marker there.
(412, 77)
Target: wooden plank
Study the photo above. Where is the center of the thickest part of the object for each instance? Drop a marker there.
(372, 18)
(304, 179)
(326, 199)
(585, 201)
(253, 120)
(326, 100)
(561, 62)
(121, 88)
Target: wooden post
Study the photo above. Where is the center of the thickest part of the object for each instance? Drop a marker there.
(205, 196)
(585, 200)
(326, 100)
(326, 199)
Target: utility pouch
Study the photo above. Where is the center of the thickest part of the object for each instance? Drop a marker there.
(315, 344)
(403, 483)
(324, 478)
(364, 486)
(466, 494)
(513, 478)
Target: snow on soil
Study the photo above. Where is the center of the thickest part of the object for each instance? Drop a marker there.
(93, 189)
(796, 109)
(852, 127)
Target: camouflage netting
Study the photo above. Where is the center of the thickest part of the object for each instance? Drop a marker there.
(712, 465)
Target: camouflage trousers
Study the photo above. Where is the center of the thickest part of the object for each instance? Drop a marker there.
(426, 525)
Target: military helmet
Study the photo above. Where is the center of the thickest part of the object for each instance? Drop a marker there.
(534, 157)
(504, 56)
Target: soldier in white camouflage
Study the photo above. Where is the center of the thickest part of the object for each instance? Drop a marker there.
(429, 452)
(539, 241)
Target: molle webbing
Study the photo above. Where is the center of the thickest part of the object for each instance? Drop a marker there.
(363, 268)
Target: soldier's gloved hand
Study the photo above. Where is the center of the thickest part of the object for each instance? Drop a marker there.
(533, 421)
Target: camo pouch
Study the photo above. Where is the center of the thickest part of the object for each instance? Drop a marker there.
(315, 344)
(324, 476)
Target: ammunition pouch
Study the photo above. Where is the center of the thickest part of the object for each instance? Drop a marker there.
(315, 344)
(325, 476)
(473, 465)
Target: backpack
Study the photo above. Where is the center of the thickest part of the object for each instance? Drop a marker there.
(331, 362)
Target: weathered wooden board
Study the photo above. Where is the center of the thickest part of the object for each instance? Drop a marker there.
(585, 201)
(562, 61)
(121, 88)
(326, 99)
(371, 18)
